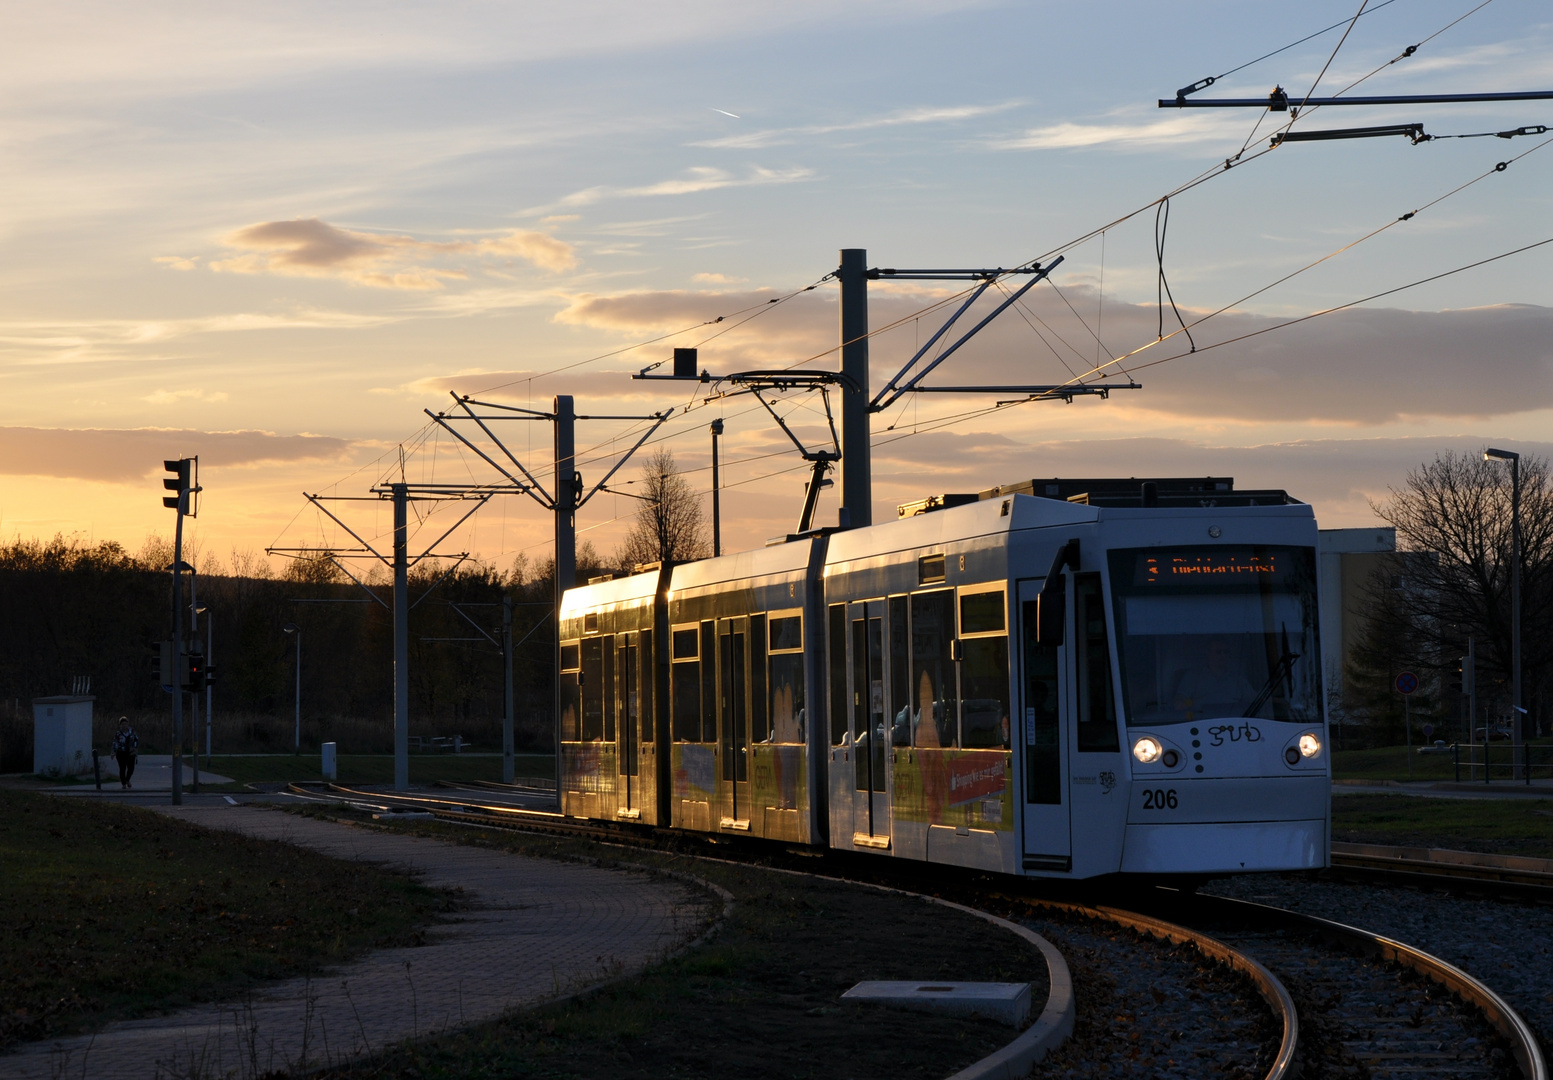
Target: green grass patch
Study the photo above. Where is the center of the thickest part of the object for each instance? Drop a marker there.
(762, 1000)
(109, 912)
(1517, 826)
(371, 768)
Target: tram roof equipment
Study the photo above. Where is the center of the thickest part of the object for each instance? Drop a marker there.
(1204, 492)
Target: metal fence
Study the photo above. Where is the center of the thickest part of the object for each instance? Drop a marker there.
(1503, 762)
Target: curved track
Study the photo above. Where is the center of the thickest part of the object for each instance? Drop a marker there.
(1375, 1007)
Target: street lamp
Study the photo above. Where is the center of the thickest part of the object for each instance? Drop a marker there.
(717, 517)
(1515, 593)
(293, 628)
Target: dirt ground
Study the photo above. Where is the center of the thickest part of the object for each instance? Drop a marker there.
(760, 1001)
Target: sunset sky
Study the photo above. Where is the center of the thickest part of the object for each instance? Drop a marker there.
(271, 235)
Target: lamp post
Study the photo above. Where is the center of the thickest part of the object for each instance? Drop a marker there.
(717, 517)
(293, 628)
(1515, 596)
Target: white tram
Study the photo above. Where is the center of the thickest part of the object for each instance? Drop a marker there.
(1060, 678)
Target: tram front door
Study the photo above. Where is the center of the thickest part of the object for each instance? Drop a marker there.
(629, 709)
(733, 722)
(870, 727)
(1043, 692)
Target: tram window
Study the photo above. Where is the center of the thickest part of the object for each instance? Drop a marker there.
(933, 704)
(570, 658)
(900, 674)
(838, 674)
(685, 646)
(930, 569)
(571, 706)
(984, 706)
(982, 612)
(787, 632)
(646, 697)
(594, 692)
(760, 718)
(685, 686)
(607, 687)
(1096, 697)
(1041, 737)
(708, 682)
(789, 714)
(628, 708)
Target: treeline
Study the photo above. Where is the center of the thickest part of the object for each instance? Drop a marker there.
(70, 610)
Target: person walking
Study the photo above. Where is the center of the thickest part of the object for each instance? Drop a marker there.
(125, 746)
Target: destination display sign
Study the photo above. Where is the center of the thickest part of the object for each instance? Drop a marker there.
(1214, 566)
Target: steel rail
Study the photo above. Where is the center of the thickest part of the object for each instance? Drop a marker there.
(1527, 877)
(1268, 986)
(1498, 1012)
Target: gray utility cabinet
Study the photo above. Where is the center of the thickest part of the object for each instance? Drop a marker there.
(62, 735)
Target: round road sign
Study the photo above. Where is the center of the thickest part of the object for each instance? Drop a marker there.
(1407, 682)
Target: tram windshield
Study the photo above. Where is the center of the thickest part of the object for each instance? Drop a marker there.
(1215, 632)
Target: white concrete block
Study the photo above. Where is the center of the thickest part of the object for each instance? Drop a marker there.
(1007, 1002)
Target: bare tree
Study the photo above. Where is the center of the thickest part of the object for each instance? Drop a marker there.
(669, 526)
(1451, 577)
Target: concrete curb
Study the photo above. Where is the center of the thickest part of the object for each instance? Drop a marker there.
(1050, 1030)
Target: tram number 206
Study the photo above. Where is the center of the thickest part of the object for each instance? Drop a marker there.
(1159, 798)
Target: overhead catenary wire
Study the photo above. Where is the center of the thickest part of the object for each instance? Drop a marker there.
(1202, 177)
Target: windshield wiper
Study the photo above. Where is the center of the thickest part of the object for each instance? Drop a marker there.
(1283, 669)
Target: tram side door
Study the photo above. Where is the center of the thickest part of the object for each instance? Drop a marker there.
(733, 722)
(870, 725)
(629, 710)
(1044, 758)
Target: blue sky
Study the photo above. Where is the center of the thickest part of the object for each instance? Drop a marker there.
(273, 234)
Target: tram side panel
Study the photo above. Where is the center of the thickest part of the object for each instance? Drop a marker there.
(608, 745)
(740, 694)
(920, 679)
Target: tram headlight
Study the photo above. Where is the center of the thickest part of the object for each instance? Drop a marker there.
(1146, 750)
(1310, 746)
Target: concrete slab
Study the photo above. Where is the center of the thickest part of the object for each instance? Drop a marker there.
(1007, 1002)
(532, 930)
(154, 772)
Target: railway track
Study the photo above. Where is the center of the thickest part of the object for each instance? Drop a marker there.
(1349, 1003)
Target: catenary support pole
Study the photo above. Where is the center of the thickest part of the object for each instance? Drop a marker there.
(567, 490)
(1521, 735)
(210, 647)
(717, 510)
(180, 647)
(856, 469)
(506, 664)
(296, 711)
(401, 496)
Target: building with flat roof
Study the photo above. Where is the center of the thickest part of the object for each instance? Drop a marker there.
(1349, 559)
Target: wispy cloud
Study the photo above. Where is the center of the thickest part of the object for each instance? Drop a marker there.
(698, 179)
(309, 247)
(1171, 131)
(755, 140)
(172, 397)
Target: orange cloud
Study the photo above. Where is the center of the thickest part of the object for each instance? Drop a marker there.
(310, 247)
(124, 454)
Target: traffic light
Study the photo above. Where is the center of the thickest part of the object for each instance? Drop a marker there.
(184, 481)
(162, 664)
(1456, 684)
(198, 673)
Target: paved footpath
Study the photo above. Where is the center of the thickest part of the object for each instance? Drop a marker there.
(531, 929)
